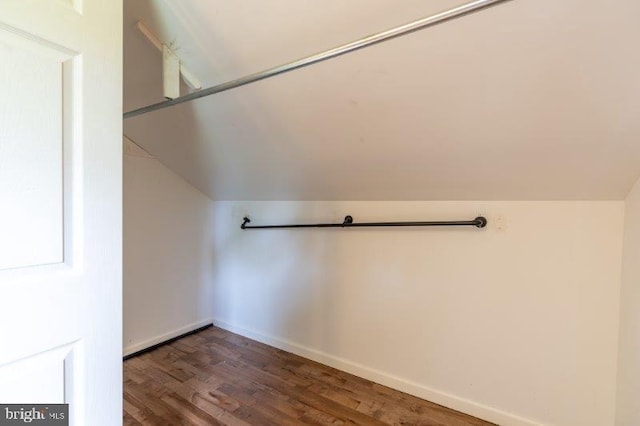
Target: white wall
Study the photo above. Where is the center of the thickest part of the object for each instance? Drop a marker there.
(628, 396)
(168, 252)
(516, 325)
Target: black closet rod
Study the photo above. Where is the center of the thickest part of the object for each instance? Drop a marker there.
(478, 222)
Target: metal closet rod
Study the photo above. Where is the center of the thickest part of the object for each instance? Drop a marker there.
(420, 24)
(478, 222)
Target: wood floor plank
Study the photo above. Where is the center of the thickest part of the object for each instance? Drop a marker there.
(189, 412)
(215, 377)
(255, 375)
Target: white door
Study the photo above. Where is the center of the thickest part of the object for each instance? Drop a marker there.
(60, 206)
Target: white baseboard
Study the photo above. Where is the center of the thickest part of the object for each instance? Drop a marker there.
(451, 401)
(166, 336)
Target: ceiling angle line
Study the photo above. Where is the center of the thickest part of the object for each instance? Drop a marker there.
(370, 40)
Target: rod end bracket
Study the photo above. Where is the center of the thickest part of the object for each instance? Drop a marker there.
(245, 220)
(480, 221)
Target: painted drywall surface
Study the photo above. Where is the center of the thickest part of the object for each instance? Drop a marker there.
(168, 252)
(627, 402)
(472, 109)
(518, 325)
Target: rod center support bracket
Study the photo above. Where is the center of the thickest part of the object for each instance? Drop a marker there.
(347, 220)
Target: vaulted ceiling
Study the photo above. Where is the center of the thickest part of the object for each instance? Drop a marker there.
(531, 99)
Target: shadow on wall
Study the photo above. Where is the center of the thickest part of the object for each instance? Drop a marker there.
(284, 271)
(166, 246)
(213, 145)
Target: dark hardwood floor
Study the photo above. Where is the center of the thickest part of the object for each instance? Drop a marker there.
(216, 377)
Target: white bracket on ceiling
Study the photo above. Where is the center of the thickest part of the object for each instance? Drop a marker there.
(172, 67)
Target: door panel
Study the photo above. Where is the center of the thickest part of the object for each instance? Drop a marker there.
(60, 206)
(31, 165)
(39, 379)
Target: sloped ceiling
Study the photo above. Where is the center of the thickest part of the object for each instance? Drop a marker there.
(531, 99)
